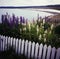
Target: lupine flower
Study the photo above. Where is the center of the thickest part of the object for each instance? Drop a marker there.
(43, 21)
(20, 29)
(2, 18)
(17, 20)
(37, 29)
(7, 15)
(50, 31)
(13, 18)
(44, 35)
(45, 39)
(6, 19)
(40, 36)
(11, 23)
(24, 29)
(38, 17)
(29, 26)
(33, 21)
(45, 31)
(52, 26)
(9, 19)
(41, 24)
(21, 19)
(43, 27)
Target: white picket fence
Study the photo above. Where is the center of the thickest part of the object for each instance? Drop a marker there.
(29, 49)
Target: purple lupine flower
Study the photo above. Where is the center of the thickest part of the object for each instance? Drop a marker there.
(6, 20)
(9, 19)
(17, 20)
(13, 19)
(2, 18)
(11, 22)
(21, 19)
(6, 15)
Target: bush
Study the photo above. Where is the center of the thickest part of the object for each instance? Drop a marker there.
(57, 30)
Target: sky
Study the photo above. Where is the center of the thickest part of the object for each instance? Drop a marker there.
(28, 2)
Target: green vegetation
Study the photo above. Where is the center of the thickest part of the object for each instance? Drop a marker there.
(42, 33)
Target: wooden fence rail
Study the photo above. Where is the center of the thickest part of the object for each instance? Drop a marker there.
(29, 49)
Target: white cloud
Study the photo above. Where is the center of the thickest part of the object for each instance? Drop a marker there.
(27, 2)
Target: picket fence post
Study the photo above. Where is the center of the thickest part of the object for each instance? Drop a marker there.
(19, 46)
(48, 52)
(22, 46)
(36, 50)
(29, 49)
(44, 51)
(16, 49)
(53, 53)
(26, 47)
(40, 51)
(58, 54)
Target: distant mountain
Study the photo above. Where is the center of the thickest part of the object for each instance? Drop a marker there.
(54, 7)
(41, 7)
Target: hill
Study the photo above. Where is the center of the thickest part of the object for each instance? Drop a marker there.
(39, 7)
